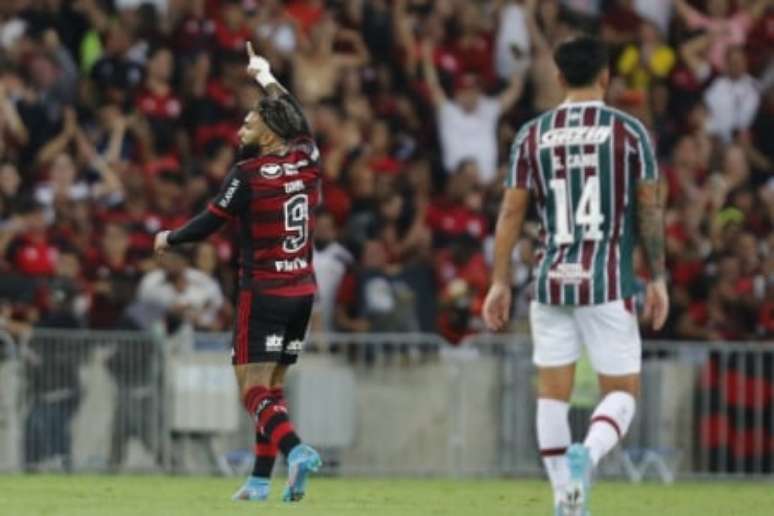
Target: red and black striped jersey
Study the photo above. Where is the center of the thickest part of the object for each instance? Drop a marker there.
(272, 199)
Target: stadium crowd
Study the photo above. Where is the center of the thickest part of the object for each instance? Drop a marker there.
(119, 118)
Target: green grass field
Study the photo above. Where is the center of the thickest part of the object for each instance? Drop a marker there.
(184, 496)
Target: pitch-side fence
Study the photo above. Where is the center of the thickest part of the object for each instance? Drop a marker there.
(376, 404)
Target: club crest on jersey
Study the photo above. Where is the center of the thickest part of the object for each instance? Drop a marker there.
(271, 170)
(588, 135)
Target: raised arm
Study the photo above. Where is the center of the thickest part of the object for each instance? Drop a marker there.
(693, 52)
(437, 95)
(512, 93)
(401, 32)
(258, 68)
(692, 16)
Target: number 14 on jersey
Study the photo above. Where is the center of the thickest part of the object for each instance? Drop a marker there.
(588, 213)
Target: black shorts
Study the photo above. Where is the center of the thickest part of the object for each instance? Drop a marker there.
(270, 328)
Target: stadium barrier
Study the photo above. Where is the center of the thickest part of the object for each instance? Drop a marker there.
(89, 400)
(386, 404)
(9, 391)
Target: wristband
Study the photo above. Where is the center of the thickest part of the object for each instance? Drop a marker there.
(264, 78)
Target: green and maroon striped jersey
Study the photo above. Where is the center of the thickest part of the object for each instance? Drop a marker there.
(583, 161)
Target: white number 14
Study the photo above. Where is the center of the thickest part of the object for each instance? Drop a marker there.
(588, 214)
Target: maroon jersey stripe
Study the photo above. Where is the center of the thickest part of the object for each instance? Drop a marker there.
(245, 303)
(619, 169)
(532, 149)
(305, 289)
(554, 286)
(587, 250)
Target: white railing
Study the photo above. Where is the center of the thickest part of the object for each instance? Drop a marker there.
(379, 404)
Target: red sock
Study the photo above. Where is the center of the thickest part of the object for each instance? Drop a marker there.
(272, 417)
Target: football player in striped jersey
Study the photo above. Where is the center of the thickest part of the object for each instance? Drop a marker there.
(593, 175)
(271, 194)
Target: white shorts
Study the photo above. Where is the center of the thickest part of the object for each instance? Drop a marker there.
(609, 332)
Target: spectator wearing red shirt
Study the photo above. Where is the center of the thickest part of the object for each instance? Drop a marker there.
(114, 277)
(380, 146)
(231, 30)
(156, 99)
(31, 253)
(306, 13)
(472, 48)
(195, 30)
(463, 278)
(459, 211)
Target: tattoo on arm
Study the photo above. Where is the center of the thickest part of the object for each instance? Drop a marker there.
(650, 214)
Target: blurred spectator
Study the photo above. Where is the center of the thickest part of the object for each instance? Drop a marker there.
(114, 275)
(332, 260)
(724, 29)
(621, 24)
(373, 297)
(650, 58)
(463, 279)
(732, 98)
(467, 124)
(185, 294)
(317, 66)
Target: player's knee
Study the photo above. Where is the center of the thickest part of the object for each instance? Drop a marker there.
(278, 376)
(628, 383)
(556, 382)
(254, 375)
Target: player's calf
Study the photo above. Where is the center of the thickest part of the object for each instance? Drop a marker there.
(271, 415)
(609, 423)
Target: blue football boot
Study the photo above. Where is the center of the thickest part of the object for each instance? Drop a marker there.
(576, 497)
(255, 489)
(302, 461)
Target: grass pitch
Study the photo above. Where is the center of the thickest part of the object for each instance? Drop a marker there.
(39, 495)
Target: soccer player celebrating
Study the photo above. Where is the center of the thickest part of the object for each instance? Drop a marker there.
(596, 185)
(272, 196)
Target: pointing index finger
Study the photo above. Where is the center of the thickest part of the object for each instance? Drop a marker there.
(250, 51)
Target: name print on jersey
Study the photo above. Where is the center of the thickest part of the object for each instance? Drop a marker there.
(232, 188)
(575, 161)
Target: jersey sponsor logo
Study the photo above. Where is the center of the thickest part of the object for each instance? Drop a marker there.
(291, 169)
(273, 343)
(569, 273)
(575, 161)
(589, 135)
(230, 191)
(275, 170)
(271, 170)
(295, 347)
(293, 265)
